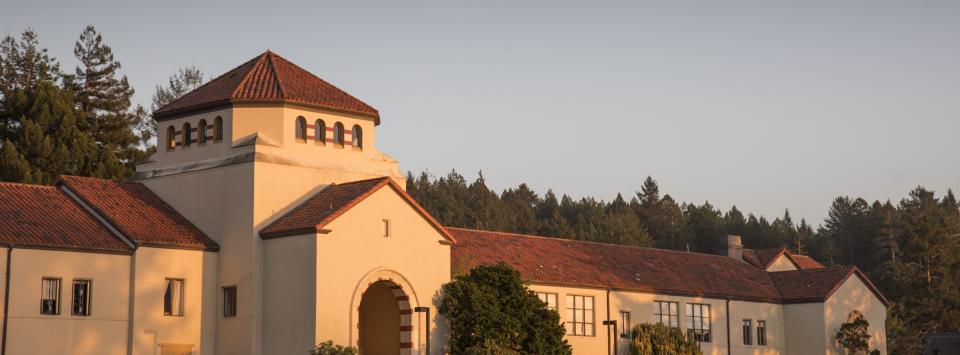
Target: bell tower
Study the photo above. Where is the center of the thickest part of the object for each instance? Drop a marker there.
(244, 148)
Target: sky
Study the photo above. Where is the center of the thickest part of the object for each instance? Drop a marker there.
(766, 105)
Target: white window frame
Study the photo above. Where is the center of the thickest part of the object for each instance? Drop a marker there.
(45, 294)
(761, 332)
(699, 327)
(672, 316)
(625, 324)
(580, 319)
(747, 327)
(546, 296)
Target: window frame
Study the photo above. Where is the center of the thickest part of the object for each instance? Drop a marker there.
(356, 137)
(217, 129)
(59, 295)
(171, 138)
(338, 134)
(187, 134)
(673, 314)
(625, 324)
(300, 130)
(202, 132)
(320, 131)
(88, 297)
(761, 332)
(747, 328)
(695, 329)
(182, 308)
(387, 228)
(584, 322)
(229, 303)
(545, 298)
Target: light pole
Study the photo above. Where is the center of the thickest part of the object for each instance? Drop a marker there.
(427, 330)
(616, 336)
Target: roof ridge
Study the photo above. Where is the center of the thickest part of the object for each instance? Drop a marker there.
(850, 268)
(361, 181)
(246, 77)
(276, 74)
(589, 242)
(208, 83)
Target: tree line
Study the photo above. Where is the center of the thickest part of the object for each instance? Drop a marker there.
(909, 249)
(55, 122)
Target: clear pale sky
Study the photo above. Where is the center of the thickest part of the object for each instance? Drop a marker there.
(763, 104)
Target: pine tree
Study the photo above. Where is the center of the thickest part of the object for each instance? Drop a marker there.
(520, 209)
(551, 220)
(23, 64)
(104, 99)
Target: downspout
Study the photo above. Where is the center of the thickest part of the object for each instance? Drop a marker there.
(6, 301)
(131, 301)
(729, 346)
(608, 318)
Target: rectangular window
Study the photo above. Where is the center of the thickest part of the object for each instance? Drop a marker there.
(173, 298)
(667, 313)
(625, 324)
(50, 296)
(81, 297)
(549, 298)
(230, 301)
(386, 228)
(580, 315)
(747, 332)
(761, 333)
(698, 322)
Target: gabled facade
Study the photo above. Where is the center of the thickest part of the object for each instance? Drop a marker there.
(268, 221)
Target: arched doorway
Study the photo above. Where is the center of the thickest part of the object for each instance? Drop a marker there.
(384, 318)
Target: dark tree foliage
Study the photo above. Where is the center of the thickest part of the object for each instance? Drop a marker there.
(103, 97)
(658, 339)
(491, 312)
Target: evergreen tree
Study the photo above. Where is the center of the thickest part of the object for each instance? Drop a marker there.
(622, 226)
(551, 220)
(104, 100)
(23, 65)
(520, 209)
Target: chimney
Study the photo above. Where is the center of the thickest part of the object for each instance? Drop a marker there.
(732, 246)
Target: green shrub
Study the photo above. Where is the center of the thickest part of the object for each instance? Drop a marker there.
(328, 348)
(658, 339)
(490, 347)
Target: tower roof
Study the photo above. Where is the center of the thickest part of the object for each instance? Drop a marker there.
(268, 78)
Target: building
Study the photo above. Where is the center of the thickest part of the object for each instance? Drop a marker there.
(268, 221)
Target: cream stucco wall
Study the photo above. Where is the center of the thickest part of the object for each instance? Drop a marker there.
(356, 253)
(781, 263)
(805, 328)
(289, 278)
(151, 328)
(853, 295)
(103, 332)
(640, 306)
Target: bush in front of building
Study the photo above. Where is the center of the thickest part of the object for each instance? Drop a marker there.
(854, 336)
(658, 339)
(329, 348)
(491, 312)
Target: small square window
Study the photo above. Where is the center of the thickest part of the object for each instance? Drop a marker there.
(173, 298)
(230, 301)
(81, 297)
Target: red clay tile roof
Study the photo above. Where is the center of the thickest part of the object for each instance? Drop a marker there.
(577, 263)
(768, 256)
(751, 258)
(138, 213)
(331, 202)
(805, 262)
(816, 285)
(45, 217)
(267, 78)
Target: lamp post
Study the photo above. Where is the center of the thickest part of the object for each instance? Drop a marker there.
(608, 323)
(427, 330)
